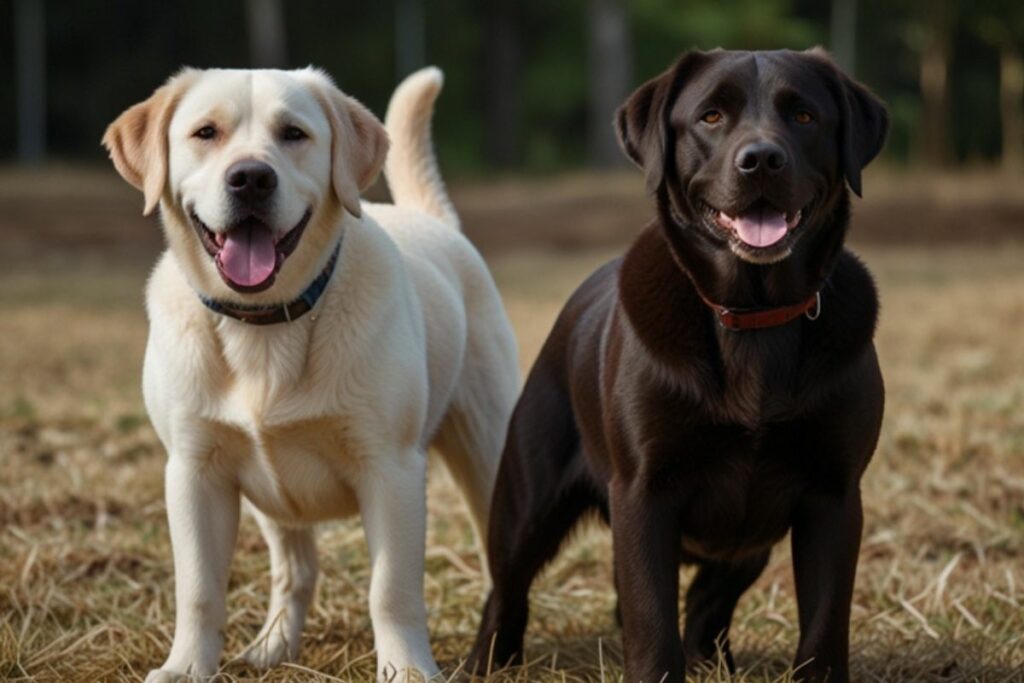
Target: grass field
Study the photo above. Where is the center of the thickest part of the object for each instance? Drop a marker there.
(86, 589)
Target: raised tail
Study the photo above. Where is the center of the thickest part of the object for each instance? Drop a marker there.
(411, 167)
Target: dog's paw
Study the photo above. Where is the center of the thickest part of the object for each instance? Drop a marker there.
(424, 672)
(269, 650)
(167, 676)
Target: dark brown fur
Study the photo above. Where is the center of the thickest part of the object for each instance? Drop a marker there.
(698, 444)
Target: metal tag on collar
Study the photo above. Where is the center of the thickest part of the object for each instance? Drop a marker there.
(287, 313)
(817, 307)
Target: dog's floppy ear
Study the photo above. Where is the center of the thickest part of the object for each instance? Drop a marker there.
(359, 145)
(863, 123)
(137, 139)
(641, 123)
(864, 126)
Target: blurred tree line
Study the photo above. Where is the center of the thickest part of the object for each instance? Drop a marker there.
(531, 84)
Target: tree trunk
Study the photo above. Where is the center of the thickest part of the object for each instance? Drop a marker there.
(502, 85)
(410, 37)
(609, 79)
(934, 141)
(30, 50)
(266, 34)
(843, 39)
(1011, 100)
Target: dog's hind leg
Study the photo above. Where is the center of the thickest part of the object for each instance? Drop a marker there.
(472, 434)
(293, 572)
(539, 496)
(710, 602)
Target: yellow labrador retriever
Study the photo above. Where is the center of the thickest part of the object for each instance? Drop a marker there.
(305, 347)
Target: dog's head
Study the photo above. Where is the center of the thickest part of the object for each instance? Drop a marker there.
(750, 150)
(253, 170)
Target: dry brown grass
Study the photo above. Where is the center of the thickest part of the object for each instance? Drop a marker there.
(85, 567)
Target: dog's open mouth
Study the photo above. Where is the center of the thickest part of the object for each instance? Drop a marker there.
(761, 227)
(247, 255)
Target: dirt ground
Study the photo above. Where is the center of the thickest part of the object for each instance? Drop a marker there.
(86, 590)
(62, 207)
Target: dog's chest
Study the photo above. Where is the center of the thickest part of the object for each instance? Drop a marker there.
(299, 453)
(739, 494)
(300, 472)
(755, 382)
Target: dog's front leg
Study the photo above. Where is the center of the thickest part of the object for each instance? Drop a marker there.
(393, 502)
(202, 508)
(645, 540)
(826, 540)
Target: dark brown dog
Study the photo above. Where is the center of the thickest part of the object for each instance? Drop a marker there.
(703, 444)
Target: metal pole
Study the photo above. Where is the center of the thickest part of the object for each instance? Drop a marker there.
(30, 65)
(410, 29)
(610, 76)
(844, 34)
(266, 34)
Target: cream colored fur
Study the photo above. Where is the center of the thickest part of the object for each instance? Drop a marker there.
(329, 415)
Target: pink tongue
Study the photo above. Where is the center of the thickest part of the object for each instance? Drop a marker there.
(759, 228)
(248, 256)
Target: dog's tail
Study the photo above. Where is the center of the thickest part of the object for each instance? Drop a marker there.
(411, 166)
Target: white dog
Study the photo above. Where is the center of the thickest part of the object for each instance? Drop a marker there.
(305, 349)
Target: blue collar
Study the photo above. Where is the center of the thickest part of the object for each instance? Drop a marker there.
(278, 313)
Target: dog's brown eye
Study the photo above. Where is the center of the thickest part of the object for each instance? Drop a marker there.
(291, 134)
(711, 116)
(803, 117)
(205, 133)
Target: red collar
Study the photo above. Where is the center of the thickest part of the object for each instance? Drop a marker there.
(740, 319)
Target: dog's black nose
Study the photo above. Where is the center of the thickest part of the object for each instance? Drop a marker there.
(764, 157)
(251, 181)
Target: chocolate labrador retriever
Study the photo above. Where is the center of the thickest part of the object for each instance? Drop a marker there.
(717, 386)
